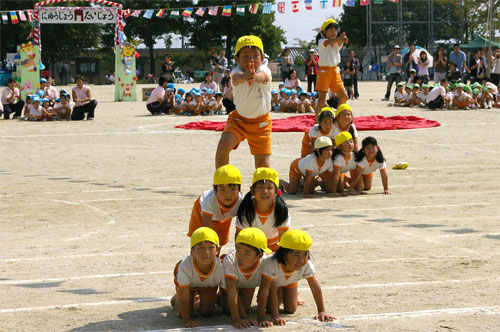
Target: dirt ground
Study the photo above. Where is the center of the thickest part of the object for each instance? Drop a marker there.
(94, 215)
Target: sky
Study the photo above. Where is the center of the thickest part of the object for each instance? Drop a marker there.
(296, 25)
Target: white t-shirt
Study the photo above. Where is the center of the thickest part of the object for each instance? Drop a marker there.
(368, 167)
(210, 206)
(344, 164)
(310, 163)
(275, 271)
(336, 130)
(329, 56)
(244, 279)
(52, 93)
(424, 70)
(400, 95)
(265, 222)
(252, 100)
(434, 93)
(291, 84)
(189, 275)
(59, 105)
(463, 96)
(315, 132)
(156, 94)
(421, 95)
(35, 111)
(7, 93)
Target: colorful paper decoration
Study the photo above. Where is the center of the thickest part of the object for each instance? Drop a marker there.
(148, 14)
(160, 13)
(295, 6)
(337, 3)
(187, 12)
(364, 2)
(323, 3)
(267, 7)
(308, 5)
(213, 10)
(350, 3)
(240, 10)
(254, 8)
(226, 11)
(174, 14)
(200, 11)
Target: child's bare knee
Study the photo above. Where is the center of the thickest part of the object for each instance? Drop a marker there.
(290, 308)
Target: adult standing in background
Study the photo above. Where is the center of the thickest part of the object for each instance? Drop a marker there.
(286, 64)
(357, 67)
(11, 100)
(311, 69)
(440, 65)
(167, 68)
(220, 67)
(394, 63)
(64, 73)
(409, 61)
(495, 73)
(460, 59)
(476, 67)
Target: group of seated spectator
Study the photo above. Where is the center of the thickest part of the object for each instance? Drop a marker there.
(48, 104)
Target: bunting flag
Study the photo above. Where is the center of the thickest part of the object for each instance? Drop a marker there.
(13, 17)
(254, 8)
(378, 2)
(267, 7)
(5, 18)
(226, 11)
(240, 10)
(393, 1)
(187, 12)
(281, 7)
(174, 14)
(22, 17)
(350, 3)
(337, 3)
(308, 4)
(29, 13)
(213, 10)
(126, 13)
(323, 3)
(160, 13)
(200, 11)
(136, 13)
(364, 2)
(295, 6)
(148, 14)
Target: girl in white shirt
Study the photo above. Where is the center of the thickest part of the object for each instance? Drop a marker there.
(317, 164)
(423, 67)
(368, 160)
(343, 162)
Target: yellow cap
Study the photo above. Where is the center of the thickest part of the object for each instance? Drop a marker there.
(342, 137)
(266, 173)
(295, 239)
(326, 109)
(250, 40)
(322, 142)
(327, 23)
(203, 234)
(253, 237)
(342, 108)
(227, 174)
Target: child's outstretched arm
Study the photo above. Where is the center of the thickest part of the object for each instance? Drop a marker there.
(262, 296)
(184, 297)
(385, 181)
(232, 301)
(356, 178)
(307, 184)
(322, 316)
(335, 182)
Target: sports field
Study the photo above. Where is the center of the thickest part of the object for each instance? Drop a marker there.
(94, 217)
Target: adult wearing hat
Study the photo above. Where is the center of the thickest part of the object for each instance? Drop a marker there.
(394, 62)
(311, 69)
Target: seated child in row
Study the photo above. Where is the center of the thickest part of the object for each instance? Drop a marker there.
(37, 111)
(198, 277)
(263, 207)
(216, 207)
(315, 165)
(281, 273)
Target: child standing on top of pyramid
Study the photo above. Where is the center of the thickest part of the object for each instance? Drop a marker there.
(251, 82)
(329, 77)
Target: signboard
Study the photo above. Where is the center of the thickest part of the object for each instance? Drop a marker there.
(65, 15)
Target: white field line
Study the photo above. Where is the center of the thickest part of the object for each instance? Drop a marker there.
(434, 143)
(184, 132)
(91, 304)
(43, 258)
(424, 312)
(98, 276)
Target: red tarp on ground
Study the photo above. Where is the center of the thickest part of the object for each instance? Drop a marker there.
(303, 123)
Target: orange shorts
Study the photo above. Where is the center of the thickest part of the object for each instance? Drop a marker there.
(326, 175)
(329, 78)
(257, 131)
(221, 227)
(306, 146)
(295, 172)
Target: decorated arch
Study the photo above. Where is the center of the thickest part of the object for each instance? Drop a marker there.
(105, 12)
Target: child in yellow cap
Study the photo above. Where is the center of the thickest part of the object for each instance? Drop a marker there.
(315, 165)
(200, 273)
(282, 272)
(251, 83)
(263, 207)
(329, 77)
(343, 162)
(324, 128)
(243, 271)
(216, 207)
(344, 121)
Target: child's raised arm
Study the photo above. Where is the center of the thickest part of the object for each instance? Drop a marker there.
(322, 316)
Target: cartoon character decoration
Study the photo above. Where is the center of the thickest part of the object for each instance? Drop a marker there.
(127, 88)
(28, 87)
(29, 61)
(127, 54)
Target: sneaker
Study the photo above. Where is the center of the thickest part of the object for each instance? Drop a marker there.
(385, 99)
